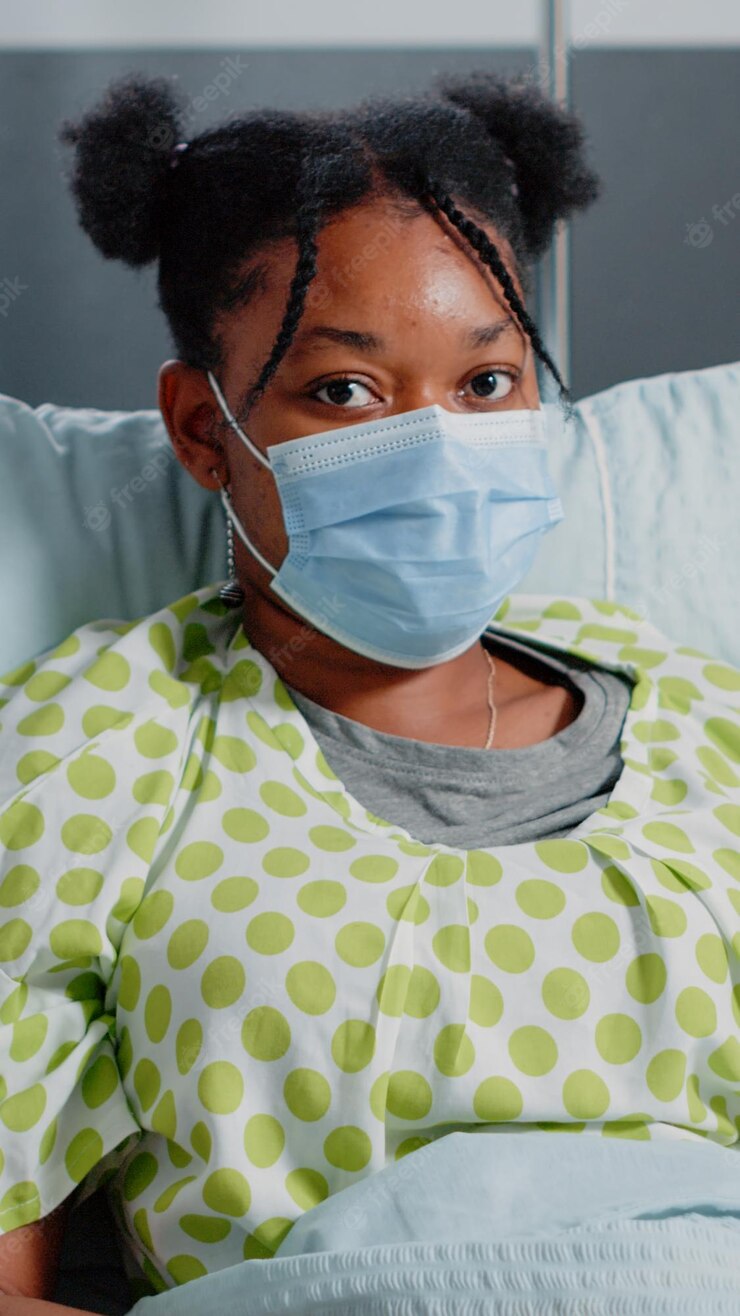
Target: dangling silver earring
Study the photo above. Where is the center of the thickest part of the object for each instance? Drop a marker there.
(231, 593)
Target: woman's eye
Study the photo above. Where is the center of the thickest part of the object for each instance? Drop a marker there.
(489, 385)
(495, 384)
(341, 391)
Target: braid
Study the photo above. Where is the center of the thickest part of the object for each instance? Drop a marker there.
(308, 216)
(269, 174)
(489, 253)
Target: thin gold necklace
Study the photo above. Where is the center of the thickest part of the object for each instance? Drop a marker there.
(491, 705)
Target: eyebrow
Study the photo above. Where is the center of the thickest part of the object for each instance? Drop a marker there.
(312, 340)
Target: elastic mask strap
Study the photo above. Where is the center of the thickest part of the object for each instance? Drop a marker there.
(233, 422)
(229, 509)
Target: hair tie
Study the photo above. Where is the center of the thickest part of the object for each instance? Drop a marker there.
(176, 152)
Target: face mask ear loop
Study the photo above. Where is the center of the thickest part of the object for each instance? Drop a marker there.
(233, 422)
(236, 523)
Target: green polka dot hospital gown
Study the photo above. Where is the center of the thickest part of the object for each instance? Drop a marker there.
(228, 990)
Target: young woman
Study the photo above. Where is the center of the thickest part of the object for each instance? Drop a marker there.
(308, 869)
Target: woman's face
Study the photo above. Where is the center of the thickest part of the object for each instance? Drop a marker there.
(401, 314)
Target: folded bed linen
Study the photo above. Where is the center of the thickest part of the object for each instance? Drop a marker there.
(506, 1223)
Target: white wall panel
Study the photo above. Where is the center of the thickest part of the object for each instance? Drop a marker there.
(255, 23)
(172, 24)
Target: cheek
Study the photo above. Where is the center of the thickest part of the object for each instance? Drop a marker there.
(258, 506)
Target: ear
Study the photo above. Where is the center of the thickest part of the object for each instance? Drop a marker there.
(544, 141)
(187, 406)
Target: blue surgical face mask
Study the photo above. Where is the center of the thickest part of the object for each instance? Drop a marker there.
(406, 533)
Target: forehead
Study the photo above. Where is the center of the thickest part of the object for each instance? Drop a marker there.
(376, 262)
(385, 238)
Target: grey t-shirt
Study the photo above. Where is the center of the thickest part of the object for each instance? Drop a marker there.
(471, 798)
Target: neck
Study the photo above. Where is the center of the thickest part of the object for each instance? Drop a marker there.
(446, 703)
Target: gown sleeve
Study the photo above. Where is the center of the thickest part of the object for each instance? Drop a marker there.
(87, 771)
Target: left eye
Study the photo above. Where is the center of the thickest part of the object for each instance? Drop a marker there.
(501, 388)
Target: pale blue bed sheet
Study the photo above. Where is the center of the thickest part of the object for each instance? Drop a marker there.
(509, 1224)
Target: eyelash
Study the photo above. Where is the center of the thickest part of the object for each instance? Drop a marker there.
(513, 375)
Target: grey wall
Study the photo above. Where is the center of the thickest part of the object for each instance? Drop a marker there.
(655, 267)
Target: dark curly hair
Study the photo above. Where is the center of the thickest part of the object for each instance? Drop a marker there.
(514, 158)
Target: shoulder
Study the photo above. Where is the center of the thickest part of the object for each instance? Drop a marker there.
(107, 678)
(97, 736)
(617, 636)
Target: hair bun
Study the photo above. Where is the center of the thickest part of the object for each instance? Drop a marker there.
(123, 148)
(545, 143)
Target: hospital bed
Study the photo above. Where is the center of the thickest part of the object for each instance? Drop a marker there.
(98, 520)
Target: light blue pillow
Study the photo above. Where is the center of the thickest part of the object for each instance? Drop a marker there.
(649, 478)
(100, 521)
